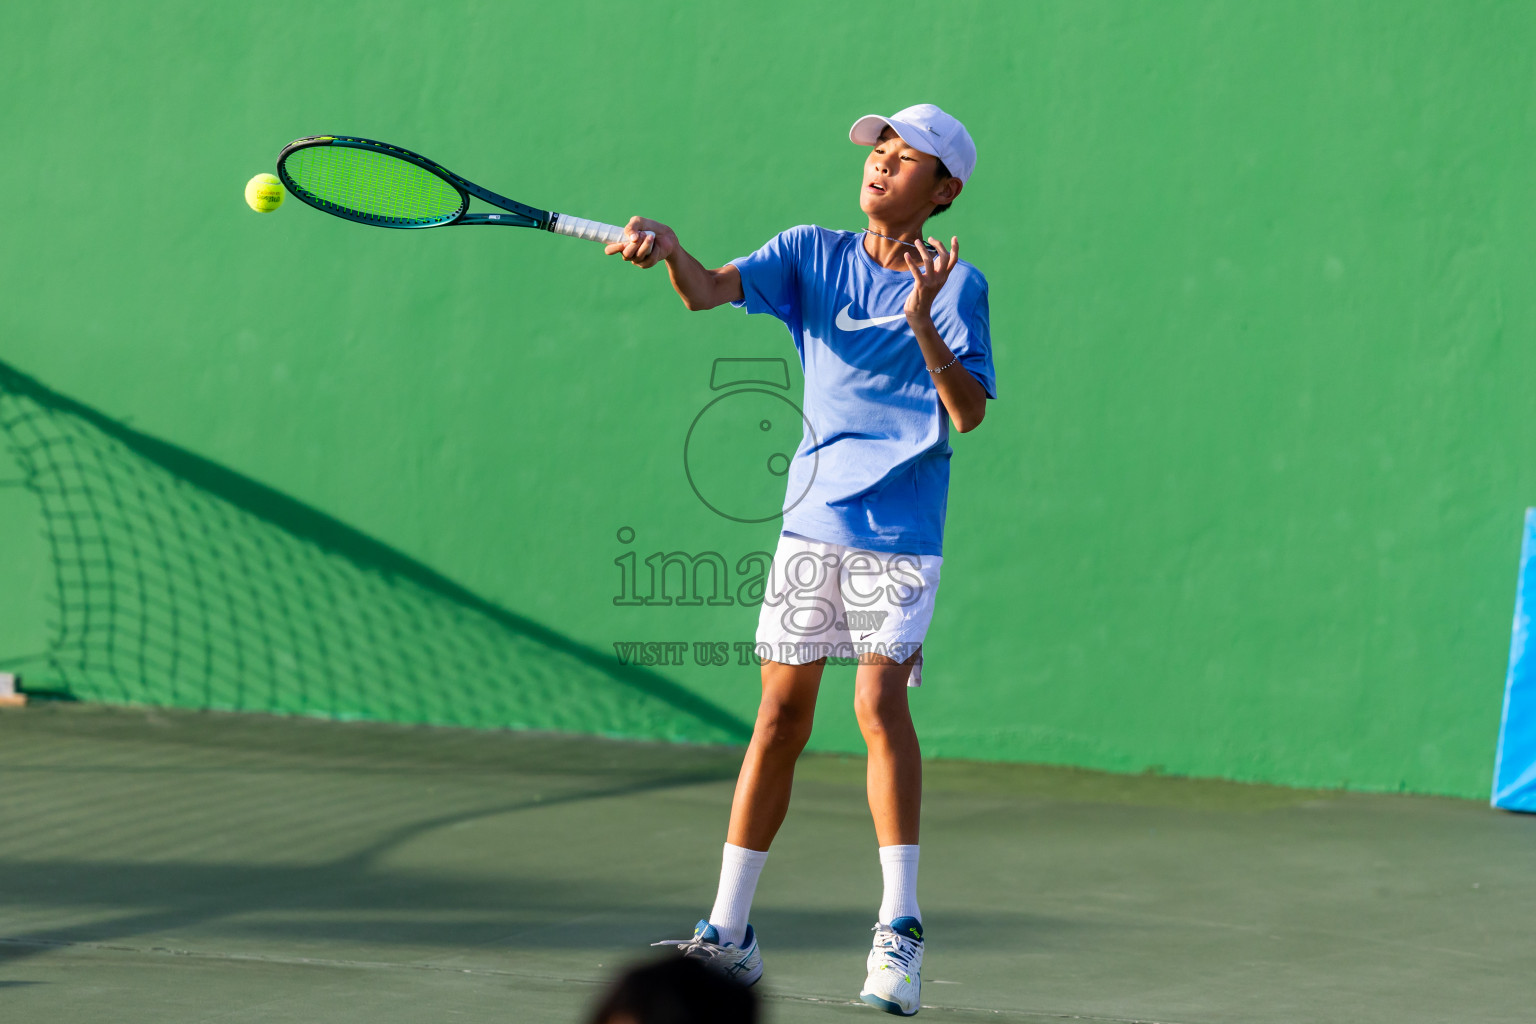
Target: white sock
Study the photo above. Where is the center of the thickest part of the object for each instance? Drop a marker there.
(739, 868)
(899, 866)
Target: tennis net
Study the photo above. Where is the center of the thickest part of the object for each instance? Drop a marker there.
(179, 582)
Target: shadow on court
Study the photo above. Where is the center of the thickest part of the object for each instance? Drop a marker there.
(184, 866)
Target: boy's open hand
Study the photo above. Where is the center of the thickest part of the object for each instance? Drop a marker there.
(646, 243)
(928, 274)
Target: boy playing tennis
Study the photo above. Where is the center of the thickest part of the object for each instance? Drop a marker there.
(893, 336)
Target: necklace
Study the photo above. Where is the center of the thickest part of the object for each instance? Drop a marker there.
(888, 238)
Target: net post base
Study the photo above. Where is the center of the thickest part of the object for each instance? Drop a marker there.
(9, 697)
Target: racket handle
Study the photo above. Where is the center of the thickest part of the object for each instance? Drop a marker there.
(591, 230)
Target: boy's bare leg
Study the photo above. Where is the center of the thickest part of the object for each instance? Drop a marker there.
(725, 939)
(895, 773)
(895, 802)
(768, 770)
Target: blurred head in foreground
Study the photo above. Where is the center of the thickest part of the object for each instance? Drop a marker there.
(675, 991)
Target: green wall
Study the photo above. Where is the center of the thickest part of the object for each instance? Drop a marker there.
(1248, 505)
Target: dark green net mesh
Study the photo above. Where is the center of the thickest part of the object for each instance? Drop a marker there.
(180, 582)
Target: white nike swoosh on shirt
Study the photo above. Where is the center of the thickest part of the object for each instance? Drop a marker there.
(848, 323)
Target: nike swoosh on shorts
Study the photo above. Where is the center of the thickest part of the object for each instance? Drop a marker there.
(848, 323)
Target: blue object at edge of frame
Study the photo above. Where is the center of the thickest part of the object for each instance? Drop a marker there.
(1514, 768)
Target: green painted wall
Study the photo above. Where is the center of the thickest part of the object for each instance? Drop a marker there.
(1248, 505)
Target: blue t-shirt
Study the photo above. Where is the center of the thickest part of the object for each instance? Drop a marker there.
(873, 464)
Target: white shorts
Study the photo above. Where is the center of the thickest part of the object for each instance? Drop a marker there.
(830, 600)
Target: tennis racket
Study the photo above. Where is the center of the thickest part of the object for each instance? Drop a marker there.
(375, 183)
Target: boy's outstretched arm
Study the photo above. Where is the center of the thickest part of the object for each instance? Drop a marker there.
(649, 242)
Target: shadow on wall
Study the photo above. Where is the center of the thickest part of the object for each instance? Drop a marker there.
(179, 582)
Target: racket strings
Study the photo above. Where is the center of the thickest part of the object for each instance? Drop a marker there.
(373, 184)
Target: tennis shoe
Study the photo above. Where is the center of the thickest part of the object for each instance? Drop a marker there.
(896, 967)
(743, 963)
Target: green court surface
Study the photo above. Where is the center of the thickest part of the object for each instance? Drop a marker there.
(180, 866)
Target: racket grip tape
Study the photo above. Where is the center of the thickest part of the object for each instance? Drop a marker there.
(591, 230)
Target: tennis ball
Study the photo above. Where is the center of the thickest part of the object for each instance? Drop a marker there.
(264, 193)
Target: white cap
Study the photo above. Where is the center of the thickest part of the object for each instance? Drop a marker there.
(926, 128)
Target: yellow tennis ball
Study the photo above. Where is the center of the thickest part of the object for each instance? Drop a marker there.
(264, 193)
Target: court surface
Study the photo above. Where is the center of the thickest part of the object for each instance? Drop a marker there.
(178, 867)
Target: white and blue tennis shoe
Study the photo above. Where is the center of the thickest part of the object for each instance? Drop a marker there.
(895, 979)
(743, 963)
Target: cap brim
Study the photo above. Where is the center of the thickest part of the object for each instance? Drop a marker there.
(866, 132)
